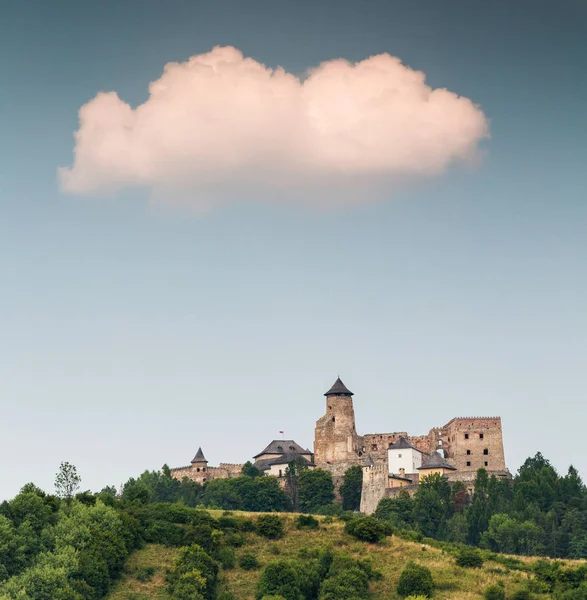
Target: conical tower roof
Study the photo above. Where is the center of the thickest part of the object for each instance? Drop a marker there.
(199, 457)
(338, 389)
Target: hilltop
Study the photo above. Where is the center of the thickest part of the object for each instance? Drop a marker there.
(388, 557)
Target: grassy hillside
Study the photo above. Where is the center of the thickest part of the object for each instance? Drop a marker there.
(389, 557)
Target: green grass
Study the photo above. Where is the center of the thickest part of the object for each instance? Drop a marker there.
(130, 588)
(389, 557)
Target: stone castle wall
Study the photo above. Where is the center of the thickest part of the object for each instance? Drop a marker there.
(374, 486)
(472, 443)
(202, 474)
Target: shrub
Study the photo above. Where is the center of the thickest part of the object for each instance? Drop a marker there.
(415, 580)
(521, 594)
(330, 510)
(280, 578)
(307, 522)
(145, 573)
(494, 592)
(351, 583)
(226, 557)
(235, 539)
(193, 558)
(270, 526)
(248, 562)
(225, 595)
(190, 586)
(469, 557)
(367, 529)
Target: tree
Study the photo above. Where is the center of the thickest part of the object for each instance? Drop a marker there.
(250, 470)
(292, 480)
(67, 481)
(351, 488)
(316, 489)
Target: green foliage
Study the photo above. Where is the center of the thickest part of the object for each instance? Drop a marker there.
(494, 592)
(351, 488)
(521, 594)
(250, 470)
(145, 573)
(316, 489)
(351, 583)
(366, 529)
(307, 522)
(194, 572)
(415, 580)
(280, 578)
(398, 511)
(257, 494)
(226, 557)
(270, 526)
(469, 557)
(248, 562)
(67, 481)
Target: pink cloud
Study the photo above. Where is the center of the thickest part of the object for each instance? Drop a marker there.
(223, 117)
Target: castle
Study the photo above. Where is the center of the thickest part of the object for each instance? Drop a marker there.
(390, 461)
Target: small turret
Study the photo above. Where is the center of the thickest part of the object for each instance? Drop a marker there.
(199, 461)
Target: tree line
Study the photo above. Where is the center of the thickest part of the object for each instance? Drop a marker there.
(538, 512)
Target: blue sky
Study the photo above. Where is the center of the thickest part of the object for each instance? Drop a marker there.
(132, 334)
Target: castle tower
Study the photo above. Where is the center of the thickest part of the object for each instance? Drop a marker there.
(199, 462)
(336, 443)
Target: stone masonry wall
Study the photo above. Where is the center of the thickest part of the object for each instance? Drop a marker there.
(201, 475)
(336, 443)
(474, 443)
(374, 486)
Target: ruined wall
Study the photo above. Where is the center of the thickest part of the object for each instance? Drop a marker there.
(472, 443)
(376, 444)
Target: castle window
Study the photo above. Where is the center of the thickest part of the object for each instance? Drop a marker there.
(330, 408)
(204, 479)
(203, 469)
(486, 463)
(280, 473)
(486, 451)
(466, 436)
(468, 452)
(280, 448)
(399, 455)
(198, 469)
(468, 463)
(480, 436)
(373, 446)
(291, 448)
(333, 419)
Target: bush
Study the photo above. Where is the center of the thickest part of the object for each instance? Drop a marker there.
(494, 592)
(521, 594)
(192, 559)
(226, 557)
(145, 573)
(270, 526)
(415, 580)
(248, 562)
(307, 522)
(351, 583)
(469, 557)
(191, 586)
(280, 578)
(367, 529)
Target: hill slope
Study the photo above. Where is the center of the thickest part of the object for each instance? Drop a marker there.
(389, 557)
